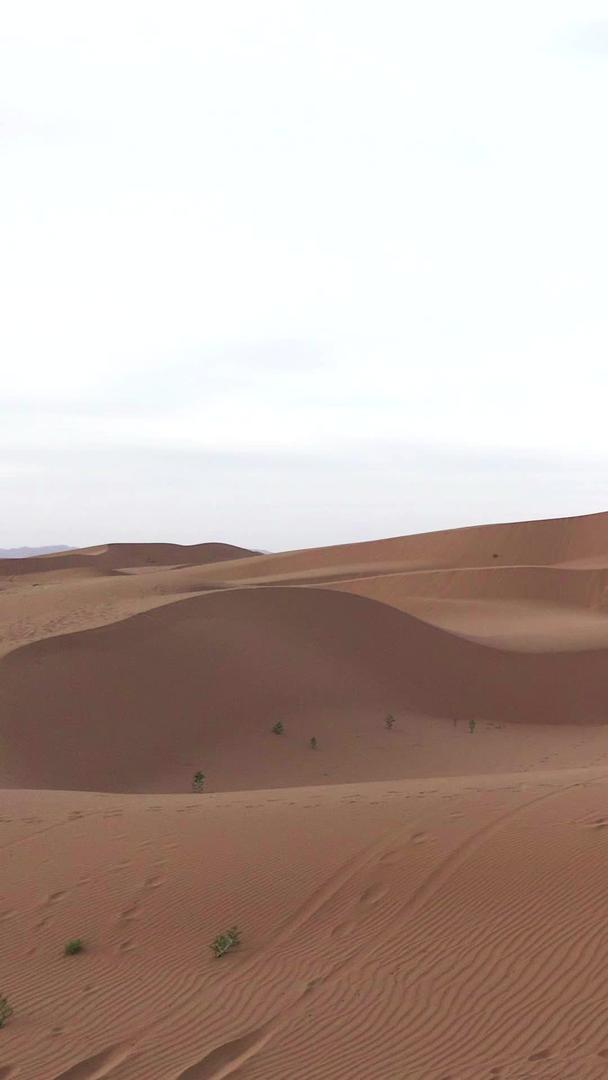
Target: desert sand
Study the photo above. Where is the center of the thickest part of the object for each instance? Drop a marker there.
(425, 901)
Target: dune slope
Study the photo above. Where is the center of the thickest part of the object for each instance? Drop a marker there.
(400, 930)
(421, 902)
(137, 705)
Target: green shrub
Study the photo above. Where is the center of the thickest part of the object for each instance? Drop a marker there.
(313, 743)
(278, 728)
(472, 725)
(226, 941)
(198, 781)
(74, 946)
(389, 722)
(5, 1010)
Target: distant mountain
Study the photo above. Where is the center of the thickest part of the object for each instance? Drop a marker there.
(28, 552)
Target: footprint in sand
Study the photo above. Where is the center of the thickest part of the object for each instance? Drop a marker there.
(541, 1055)
(154, 881)
(95, 1067)
(130, 912)
(390, 857)
(374, 893)
(52, 898)
(343, 929)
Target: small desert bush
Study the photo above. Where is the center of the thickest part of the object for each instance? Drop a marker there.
(472, 725)
(226, 941)
(313, 743)
(198, 781)
(74, 946)
(5, 1010)
(278, 728)
(389, 722)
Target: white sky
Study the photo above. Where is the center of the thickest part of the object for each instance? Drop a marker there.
(282, 272)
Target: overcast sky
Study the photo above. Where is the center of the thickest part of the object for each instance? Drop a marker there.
(286, 272)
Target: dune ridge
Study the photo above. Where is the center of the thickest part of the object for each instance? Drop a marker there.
(108, 557)
(421, 901)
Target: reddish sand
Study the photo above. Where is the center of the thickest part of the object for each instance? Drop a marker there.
(421, 902)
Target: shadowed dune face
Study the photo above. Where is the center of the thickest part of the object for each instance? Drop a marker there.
(525, 608)
(131, 705)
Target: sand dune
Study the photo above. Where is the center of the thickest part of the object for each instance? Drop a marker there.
(425, 902)
(110, 557)
(403, 929)
(580, 541)
(136, 704)
(531, 608)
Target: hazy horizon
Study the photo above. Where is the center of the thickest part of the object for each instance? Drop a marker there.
(284, 275)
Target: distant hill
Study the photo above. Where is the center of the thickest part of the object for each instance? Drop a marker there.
(28, 552)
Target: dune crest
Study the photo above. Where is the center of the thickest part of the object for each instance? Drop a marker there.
(401, 804)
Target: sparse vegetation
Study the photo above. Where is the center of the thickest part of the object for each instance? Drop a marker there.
(74, 946)
(313, 743)
(5, 1010)
(198, 781)
(389, 722)
(472, 725)
(226, 941)
(278, 728)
